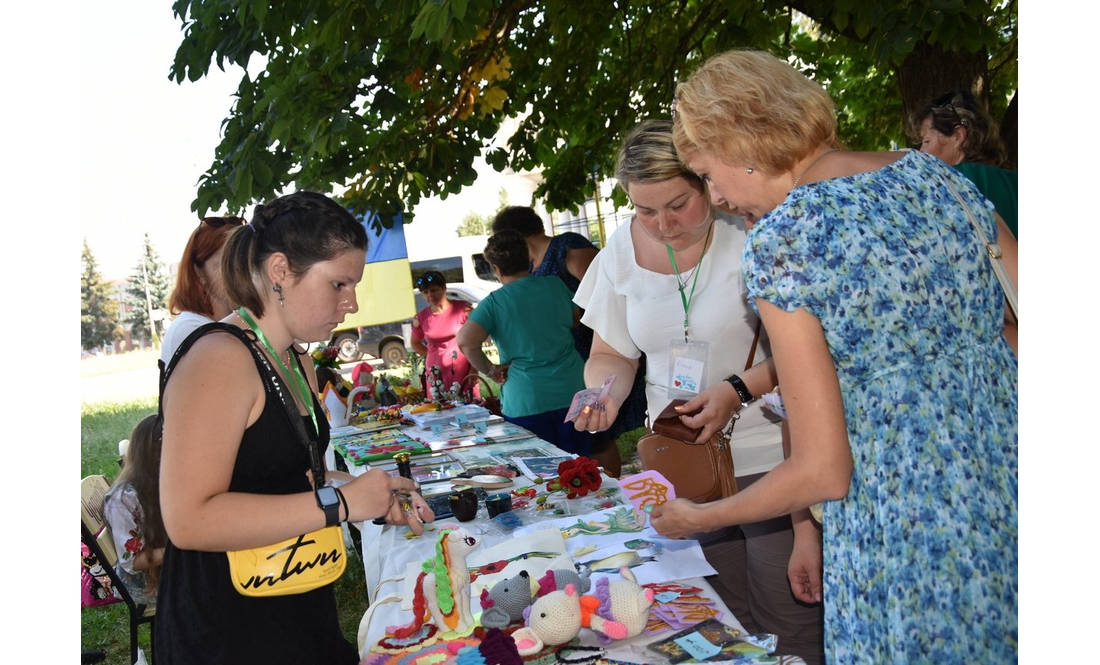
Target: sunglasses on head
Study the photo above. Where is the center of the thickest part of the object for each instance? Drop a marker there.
(218, 222)
(428, 280)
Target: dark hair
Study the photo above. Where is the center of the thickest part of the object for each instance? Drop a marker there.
(305, 226)
(190, 295)
(429, 278)
(507, 250)
(141, 470)
(960, 108)
(519, 218)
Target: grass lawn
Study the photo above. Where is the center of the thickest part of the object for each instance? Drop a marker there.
(103, 424)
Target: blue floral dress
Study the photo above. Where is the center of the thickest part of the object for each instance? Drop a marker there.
(920, 558)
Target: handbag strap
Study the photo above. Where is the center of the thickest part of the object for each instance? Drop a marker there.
(271, 381)
(993, 251)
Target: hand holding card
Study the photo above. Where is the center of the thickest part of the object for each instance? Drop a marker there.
(594, 398)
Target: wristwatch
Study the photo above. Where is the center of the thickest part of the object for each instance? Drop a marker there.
(743, 393)
(328, 500)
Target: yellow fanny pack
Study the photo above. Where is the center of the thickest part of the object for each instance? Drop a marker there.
(294, 565)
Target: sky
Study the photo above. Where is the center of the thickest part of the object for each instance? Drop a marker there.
(147, 140)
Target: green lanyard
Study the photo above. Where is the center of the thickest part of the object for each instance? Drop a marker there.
(686, 298)
(300, 386)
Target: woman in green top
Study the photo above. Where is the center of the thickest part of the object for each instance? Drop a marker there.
(531, 320)
(955, 128)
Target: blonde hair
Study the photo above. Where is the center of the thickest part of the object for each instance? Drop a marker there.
(749, 108)
(647, 156)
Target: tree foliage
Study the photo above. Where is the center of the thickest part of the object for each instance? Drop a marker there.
(150, 286)
(394, 100)
(474, 224)
(98, 309)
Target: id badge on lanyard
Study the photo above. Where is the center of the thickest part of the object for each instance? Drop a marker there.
(687, 365)
(687, 368)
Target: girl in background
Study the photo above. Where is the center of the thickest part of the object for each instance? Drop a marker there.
(132, 509)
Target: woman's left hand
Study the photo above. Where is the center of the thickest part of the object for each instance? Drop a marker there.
(678, 518)
(719, 402)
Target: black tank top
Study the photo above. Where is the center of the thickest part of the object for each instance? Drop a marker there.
(201, 618)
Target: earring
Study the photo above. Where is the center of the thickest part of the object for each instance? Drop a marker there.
(749, 171)
(278, 288)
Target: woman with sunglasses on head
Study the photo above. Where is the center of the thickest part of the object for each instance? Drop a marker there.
(957, 129)
(433, 335)
(199, 296)
(237, 469)
(888, 332)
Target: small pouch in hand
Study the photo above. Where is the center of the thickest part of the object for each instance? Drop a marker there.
(669, 423)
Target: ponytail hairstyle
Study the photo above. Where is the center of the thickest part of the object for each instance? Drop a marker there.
(306, 227)
(190, 295)
(141, 470)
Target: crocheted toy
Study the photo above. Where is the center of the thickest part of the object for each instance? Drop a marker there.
(496, 649)
(557, 579)
(442, 592)
(505, 602)
(617, 611)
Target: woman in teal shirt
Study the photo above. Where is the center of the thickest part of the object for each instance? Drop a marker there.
(531, 321)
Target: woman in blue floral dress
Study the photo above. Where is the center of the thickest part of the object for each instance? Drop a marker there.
(897, 368)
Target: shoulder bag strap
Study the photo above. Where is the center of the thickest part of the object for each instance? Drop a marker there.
(724, 436)
(994, 252)
(270, 379)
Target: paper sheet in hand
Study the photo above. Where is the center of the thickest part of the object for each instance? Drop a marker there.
(594, 397)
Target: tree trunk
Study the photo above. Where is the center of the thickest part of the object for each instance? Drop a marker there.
(1010, 127)
(930, 70)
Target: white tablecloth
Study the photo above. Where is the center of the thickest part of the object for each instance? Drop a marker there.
(387, 553)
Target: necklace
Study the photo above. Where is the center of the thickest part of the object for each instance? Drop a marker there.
(807, 169)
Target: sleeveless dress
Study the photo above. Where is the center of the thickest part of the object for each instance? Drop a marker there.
(632, 411)
(920, 558)
(201, 618)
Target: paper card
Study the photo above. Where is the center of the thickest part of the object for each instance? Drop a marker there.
(774, 401)
(699, 648)
(648, 488)
(594, 397)
(481, 427)
(687, 374)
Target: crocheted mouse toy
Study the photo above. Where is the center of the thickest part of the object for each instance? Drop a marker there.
(617, 611)
(556, 579)
(505, 602)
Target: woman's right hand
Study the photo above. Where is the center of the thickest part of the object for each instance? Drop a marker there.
(597, 418)
(375, 494)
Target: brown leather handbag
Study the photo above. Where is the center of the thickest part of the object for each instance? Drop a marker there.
(701, 472)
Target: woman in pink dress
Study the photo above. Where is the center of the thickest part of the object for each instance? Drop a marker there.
(433, 334)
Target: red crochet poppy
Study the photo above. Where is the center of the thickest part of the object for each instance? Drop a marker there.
(579, 476)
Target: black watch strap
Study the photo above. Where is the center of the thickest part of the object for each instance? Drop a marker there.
(332, 510)
(743, 393)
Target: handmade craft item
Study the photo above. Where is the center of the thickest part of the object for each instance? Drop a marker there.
(505, 602)
(647, 489)
(442, 592)
(495, 649)
(618, 610)
(556, 579)
(364, 447)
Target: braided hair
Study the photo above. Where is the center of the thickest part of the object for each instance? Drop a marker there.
(306, 227)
